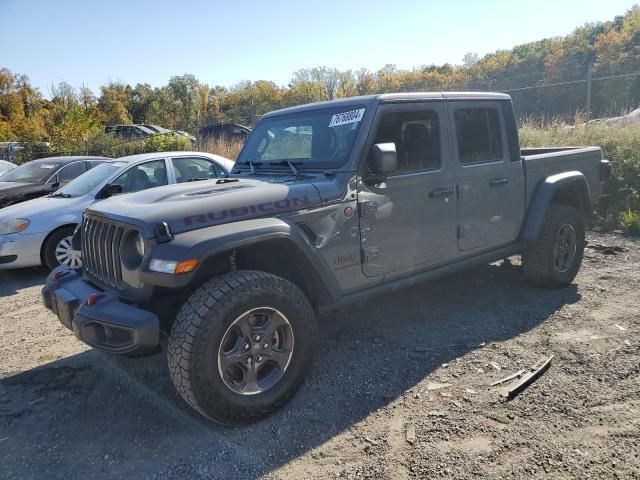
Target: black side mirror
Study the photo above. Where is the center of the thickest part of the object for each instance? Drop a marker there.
(52, 187)
(383, 158)
(110, 190)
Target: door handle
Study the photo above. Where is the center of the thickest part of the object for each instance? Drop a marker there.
(440, 192)
(498, 182)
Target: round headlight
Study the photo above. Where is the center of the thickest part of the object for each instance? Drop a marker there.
(140, 245)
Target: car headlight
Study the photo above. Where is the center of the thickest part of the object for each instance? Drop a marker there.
(140, 245)
(16, 225)
(172, 267)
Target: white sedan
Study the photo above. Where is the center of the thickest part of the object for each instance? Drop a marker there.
(39, 231)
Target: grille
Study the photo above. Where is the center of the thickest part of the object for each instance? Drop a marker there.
(101, 241)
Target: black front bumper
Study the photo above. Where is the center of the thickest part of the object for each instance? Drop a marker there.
(108, 324)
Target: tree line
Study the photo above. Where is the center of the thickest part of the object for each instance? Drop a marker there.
(549, 78)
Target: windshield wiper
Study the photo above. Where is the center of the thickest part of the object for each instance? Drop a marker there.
(290, 164)
(60, 195)
(251, 164)
(197, 179)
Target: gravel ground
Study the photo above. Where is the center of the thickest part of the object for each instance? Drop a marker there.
(400, 389)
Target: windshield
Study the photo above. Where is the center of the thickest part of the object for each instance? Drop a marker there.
(5, 167)
(315, 138)
(32, 172)
(89, 180)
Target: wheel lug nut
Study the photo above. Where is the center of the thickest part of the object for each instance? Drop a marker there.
(257, 338)
(265, 345)
(259, 359)
(246, 346)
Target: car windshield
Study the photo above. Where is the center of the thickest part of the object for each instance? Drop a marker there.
(313, 138)
(89, 180)
(32, 172)
(4, 168)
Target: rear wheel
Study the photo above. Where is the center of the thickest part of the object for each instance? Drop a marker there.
(58, 250)
(553, 260)
(241, 345)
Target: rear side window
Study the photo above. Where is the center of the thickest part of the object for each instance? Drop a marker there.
(189, 169)
(479, 135)
(417, 139)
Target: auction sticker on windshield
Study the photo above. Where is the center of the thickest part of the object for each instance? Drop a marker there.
(354, 116)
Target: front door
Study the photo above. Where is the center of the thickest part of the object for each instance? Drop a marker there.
(489, 182)
(408, 221)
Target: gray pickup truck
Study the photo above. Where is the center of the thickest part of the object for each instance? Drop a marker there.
(328, 204)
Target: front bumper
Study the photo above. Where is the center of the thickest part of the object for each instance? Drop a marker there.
(108, 324)
(19, 250)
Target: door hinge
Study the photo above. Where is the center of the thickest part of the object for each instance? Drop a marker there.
(369, 253)
(367, 208)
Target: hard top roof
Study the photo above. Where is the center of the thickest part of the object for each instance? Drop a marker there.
(369, 100)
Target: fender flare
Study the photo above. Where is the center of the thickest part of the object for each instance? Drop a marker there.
(205, 243)
(542, 200)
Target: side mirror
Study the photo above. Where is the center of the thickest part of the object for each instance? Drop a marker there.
(110, 190)
(383, 158)
(52, 187)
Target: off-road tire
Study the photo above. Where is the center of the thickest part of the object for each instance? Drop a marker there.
(200, 328)
(538, 260)
(50, 245)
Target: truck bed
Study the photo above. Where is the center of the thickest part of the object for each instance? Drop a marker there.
(540, 163)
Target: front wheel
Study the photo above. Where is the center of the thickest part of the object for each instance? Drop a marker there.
(241, 345)
(58, 250)
(553, 260)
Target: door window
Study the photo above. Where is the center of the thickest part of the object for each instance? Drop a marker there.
(479, 135)
(188, 169)
(416, 136)
(70, 172)
(143, 176)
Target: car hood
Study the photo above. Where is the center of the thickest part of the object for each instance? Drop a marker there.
(12, 191)
(187, 207)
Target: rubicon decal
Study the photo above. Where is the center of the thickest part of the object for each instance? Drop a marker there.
(212, 218)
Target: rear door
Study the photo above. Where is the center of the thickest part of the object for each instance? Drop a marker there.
(490, 184)
(409, 221)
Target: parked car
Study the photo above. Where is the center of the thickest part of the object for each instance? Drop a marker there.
(328, 204)
(224, 131)
(143, 130)
(39, 231)
(39, 177)
(5, 167)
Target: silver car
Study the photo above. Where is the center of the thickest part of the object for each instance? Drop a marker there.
(39, 231)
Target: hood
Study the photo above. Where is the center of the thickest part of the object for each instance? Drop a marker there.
(191, 206)
(44, 209)
(11, 192)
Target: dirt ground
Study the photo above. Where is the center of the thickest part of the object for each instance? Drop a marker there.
(400, 389)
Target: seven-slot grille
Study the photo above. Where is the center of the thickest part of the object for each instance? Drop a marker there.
(101, 241)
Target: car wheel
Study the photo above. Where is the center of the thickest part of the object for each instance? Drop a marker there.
(553, 260)
(241, 346)
(58, 250)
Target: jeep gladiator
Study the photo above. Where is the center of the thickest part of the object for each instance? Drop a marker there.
(327, 204)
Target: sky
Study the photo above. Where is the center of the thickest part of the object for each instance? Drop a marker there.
(224, 42)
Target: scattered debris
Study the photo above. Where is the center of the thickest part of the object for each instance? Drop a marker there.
(471, 391)
(620, 327)
(437, 413)
(495, 365)
(3, 439)
(437, 385)
(627, 342)
(410, 435)
(535, 371)
(508, 378)
(371, 441)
